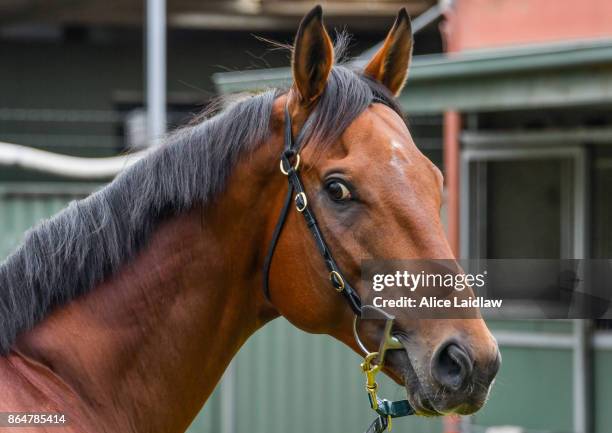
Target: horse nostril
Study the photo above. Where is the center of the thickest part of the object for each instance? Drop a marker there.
(452, 366)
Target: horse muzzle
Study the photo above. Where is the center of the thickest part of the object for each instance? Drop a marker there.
(452, 380)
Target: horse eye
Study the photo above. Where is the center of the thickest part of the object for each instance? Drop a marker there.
(338, 191)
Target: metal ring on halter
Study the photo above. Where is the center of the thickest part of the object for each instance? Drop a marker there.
(335, 276)
(302, 208)
(356, 335)
(388, 341)
(295, 167)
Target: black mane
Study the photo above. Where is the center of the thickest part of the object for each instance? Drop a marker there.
(67, 255)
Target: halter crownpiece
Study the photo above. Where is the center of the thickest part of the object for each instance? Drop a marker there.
(373, 362)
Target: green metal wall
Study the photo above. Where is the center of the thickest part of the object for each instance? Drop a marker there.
(286, 380)
(533, 389)
(603, 391)
(22, 205)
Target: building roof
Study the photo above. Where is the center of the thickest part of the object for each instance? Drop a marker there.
(530, 76)
(216, 14)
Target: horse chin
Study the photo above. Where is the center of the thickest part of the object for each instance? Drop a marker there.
(422, 405)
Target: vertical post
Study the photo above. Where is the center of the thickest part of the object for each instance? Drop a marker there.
(156, 69)
(465, 206)
(582, 366)
(452, 131)
(581, 205)
(582, 376)
(451, 157)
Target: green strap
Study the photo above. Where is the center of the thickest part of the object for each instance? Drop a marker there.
(386, 409)
(394, 409)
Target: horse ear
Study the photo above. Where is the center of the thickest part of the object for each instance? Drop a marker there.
(313, 56)
(390, 64)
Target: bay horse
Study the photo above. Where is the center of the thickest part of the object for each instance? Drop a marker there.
(123, 310)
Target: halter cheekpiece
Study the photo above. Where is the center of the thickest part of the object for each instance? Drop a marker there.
(289, 165)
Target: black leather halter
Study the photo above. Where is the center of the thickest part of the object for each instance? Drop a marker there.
(289, 165)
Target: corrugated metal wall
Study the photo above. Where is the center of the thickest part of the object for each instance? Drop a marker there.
(286, 380)
(290, 381)
(534, 386)
(24, 204)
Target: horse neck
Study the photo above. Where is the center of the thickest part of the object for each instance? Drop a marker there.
(147, 347)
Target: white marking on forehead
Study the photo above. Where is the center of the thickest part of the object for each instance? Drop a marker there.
(399, 155)
(396, 145)
(399, 158)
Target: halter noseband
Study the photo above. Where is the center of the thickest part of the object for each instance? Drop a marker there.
(289, 165)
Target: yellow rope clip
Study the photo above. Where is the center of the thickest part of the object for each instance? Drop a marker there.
(370, 372)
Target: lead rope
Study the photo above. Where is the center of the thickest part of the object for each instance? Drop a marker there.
(289, 165)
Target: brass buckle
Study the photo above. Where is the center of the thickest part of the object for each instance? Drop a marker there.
(295, 167)
(304, 201)
(335, 275)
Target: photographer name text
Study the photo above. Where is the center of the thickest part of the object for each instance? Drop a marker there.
(435, 302)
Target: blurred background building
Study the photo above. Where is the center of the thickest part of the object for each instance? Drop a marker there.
(512, 98)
